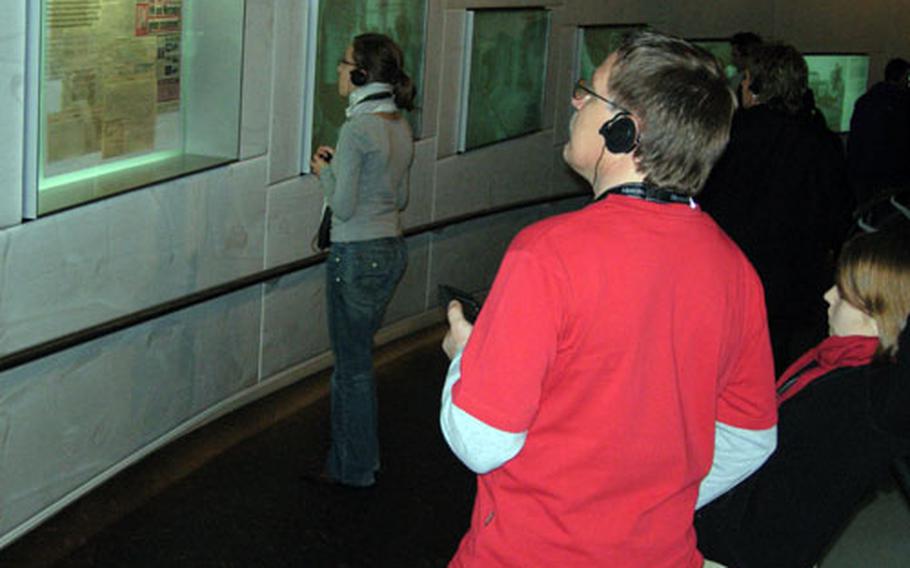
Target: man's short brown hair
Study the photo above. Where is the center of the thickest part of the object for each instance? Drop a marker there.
(679, 94)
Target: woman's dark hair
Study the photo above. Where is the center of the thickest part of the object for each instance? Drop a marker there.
(745, 40)
(896, 69)
(383, 61)
(779, 76)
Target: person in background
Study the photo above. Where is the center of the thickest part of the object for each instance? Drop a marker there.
(622, 346)
(365, 182)
(879, 140)
(780, 191)
(740, 46)
(843, 419)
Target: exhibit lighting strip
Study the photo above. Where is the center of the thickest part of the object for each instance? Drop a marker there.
(464, 95)
(105, 169)
(309, 75)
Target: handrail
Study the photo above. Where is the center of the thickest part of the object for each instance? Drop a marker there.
(69, 340)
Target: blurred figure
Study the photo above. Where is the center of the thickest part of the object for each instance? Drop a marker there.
(780, 191)
(623, 347)
(741, 45)
(879, 142)
(843, 419)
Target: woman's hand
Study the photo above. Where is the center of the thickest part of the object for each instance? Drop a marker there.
(459, 329)
(321, 159)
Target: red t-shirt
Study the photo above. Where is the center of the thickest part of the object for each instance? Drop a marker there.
(615, 336)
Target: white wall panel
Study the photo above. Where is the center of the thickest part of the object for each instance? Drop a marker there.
(294, 327)
(65, 420)
(511, 171)
(286, 89)
(257, 71)
(87, 265)
(410, 297)
(423, 182)
(12, 112)
(294, 213)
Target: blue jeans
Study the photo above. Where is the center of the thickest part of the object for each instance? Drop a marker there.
(360, 279)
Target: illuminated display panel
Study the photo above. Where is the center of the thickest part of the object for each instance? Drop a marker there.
(837, 80)
(595, 43)
(505, 70)
(134, 92)
(722, 50)
(338, 22)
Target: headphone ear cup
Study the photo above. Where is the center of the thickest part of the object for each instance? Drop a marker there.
(358, 77)
(620, 134)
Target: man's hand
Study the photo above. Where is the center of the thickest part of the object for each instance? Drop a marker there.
(459, 330)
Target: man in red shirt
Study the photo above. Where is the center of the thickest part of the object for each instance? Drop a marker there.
(623, 349)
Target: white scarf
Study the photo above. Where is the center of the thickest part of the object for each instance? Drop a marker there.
(356, 104)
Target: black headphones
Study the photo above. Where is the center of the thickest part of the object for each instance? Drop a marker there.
(358, 77)
(620, 133)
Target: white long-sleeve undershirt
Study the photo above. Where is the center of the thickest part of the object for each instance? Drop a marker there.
(738, 452)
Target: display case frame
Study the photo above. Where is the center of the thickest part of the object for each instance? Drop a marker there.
(468, 139)
(321, 102)
(121, 96)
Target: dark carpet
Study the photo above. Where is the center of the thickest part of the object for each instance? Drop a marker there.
(251, 505)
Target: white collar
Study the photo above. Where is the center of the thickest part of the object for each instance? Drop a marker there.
(358, 105)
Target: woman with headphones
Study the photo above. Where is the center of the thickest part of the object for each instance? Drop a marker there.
(365, 182)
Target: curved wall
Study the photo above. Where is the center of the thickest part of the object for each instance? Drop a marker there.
(71, 420)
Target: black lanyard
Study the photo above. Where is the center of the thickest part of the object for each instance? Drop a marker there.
(647, 192)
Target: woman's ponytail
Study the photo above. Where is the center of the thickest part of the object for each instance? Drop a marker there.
(404, 91)
(382, 60)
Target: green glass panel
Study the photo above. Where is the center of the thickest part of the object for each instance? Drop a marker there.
(597, 42)
(131, 93)
(722, 50)
(508, 69)
(837, 81)
(339, 21)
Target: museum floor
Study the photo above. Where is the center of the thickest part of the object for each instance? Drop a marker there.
(232, 493)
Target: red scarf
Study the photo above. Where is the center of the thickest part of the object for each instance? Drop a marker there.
(832, 353)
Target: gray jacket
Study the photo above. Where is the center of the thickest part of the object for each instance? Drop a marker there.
(366, 184)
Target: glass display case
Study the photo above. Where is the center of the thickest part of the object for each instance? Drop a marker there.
(595, 43)
(504, 72)
(338, 22)
(127, 93)
(837, 80)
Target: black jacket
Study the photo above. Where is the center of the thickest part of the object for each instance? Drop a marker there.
(836, 441)
(879, 140)
(780, 191)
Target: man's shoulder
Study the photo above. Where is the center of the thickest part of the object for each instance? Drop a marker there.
(556, 230)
